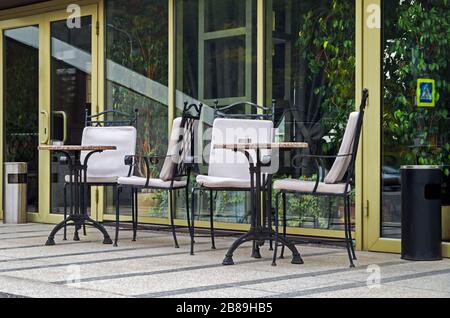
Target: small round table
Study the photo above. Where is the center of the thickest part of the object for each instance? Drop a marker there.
(77, 183)
(260, 230)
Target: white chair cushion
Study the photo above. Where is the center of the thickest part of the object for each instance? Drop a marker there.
(340, 165)
(227, 163)
(221, 182)
(153, 183)
(308, 186)
(112, 180)
(110, 163)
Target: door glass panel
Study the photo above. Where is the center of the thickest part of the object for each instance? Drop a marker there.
(216, 59)
(413, 135)
(21, 104)
(310, 72)
(71, 71)
(137, 50)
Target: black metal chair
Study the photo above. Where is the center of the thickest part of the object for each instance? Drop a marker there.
(233, 176)
(112, 128)
(175, 173)
(332, 184)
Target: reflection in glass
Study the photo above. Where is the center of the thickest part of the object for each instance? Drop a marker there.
(224, 73)
(21, 104)
(137, 78)
(224, 14)
(412, 134)
(71, 71)
(216, 59)
(310, 72)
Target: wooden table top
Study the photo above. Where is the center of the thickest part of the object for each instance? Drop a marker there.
(254, 146)
(75, 148)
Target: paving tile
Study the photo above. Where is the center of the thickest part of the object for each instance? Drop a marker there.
(152, 267)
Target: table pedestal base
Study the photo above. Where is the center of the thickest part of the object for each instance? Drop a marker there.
(260, 236)
(78, 221)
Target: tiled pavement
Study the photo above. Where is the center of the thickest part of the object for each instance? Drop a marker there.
(152, 267)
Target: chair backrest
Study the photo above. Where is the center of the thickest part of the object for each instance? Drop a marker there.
(228, 127)
(109, 163)
(230, 164)
(111, 118)
(180, 152)
(349, 146)
(257, 111)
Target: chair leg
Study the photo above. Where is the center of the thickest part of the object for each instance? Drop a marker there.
(275, 250)
(192, 228)
(188, 217)
(172, 216)
(211, 219)
(136, 215)
(116, 238)
(350, 228)
(284, 222)
(133, 221)
(65, 210)
(84, 224)
(347, 239)
(269, 213)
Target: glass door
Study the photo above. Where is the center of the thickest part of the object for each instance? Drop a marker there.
(401, 130)
(22, 121)
(49, 82)
(73, 79)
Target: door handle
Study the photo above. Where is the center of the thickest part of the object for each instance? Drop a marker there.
(45, 132)
(64, 117)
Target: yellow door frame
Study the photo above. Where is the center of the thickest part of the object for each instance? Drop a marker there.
(43, 21)
(371, 59)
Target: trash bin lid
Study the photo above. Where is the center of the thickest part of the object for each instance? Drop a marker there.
(418, 167)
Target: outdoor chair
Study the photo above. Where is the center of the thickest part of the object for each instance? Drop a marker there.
(228, 170)
(174, 175)
(336, 183)
(111, 128)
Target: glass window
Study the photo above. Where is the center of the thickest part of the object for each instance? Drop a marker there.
(310, 72)
(415, 45)
(216, 59)
(21, 104)
(137, 78)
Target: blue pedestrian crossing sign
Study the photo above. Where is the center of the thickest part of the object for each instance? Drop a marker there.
(426, 93)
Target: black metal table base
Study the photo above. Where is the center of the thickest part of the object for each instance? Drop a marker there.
(78, 221)
(259, 236)
(78, 209)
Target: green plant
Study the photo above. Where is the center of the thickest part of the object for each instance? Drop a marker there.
(417, 42)
(326, 44)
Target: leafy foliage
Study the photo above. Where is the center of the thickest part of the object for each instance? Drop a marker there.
(326, 42)
(417, 42)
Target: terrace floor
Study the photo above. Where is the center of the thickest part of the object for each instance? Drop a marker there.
(152, 267)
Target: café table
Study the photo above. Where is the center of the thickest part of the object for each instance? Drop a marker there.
(260, 229)
(78, 215)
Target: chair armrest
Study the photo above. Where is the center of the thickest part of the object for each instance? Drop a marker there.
(317, 166)
(132, 160)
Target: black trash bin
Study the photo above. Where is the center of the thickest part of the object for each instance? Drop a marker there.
(421, 213)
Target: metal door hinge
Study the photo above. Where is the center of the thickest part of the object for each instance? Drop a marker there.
(97, 196)
(97, 28)
(366, 208)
